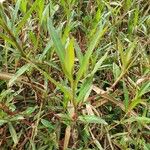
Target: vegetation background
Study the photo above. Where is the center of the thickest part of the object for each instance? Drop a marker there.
(75, 74)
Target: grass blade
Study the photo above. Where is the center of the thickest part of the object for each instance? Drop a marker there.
(98, 64)
(19, 73)
(126, 96)
(15, 12)
(13, 133)
(59, 48)
(26, 16)
(78, 53)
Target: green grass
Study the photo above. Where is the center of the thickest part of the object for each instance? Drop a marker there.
(75, 75)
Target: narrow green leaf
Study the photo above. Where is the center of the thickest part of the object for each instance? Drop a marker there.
(136, 16)
(26, 16)
(40, 8)
(5, 93)
(144, 89)
(2, 13)
(116, 71)
(59, 48)
(128, 53)
(13, 133)
(134, 103)
(11, 36)
(78, 53)
(8, 39)
(69, 58)
(126, 96)
(53, 64)
(53, 8)
(84, 88)
(122, 56)
(15, 12)
(17, 118)
(47, 123)
(46, 49)
(45, 13)
(144, 120)
(19, 73)
(98, 64)
(92, 119)
(30, 110)
(23, 6)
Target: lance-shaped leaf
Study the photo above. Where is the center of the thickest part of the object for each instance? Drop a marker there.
(69, 58)
(19, 73)
(92, 119)
(59, 48)
(13, 133)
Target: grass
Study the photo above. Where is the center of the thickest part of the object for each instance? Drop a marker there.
(75, 75)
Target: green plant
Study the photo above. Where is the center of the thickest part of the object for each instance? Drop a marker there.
(74, 74)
